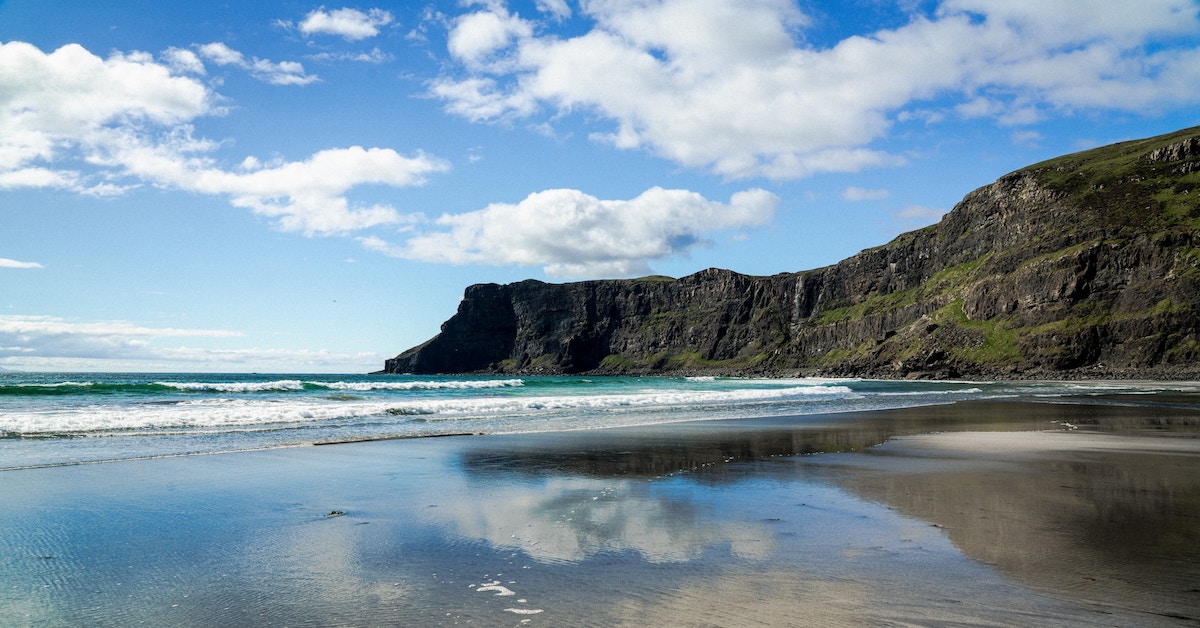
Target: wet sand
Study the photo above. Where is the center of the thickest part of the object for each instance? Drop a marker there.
(1000, 513)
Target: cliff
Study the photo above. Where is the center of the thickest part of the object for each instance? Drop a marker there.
(1086, 265)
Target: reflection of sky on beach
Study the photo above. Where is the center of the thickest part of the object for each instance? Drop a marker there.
(248, 539)
(418, 540)
(573, 519)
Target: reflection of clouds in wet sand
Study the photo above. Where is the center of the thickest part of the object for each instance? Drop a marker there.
(572, 519)
(320, 560)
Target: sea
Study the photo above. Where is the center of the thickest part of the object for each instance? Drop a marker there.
(52, 419)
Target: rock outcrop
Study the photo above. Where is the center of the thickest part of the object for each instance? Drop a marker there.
(1085, 265)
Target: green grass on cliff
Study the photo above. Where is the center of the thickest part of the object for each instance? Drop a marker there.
(691, 361)
(1124, 189)
(998, 346)
(1184, 352)
(874, 304)
(614, 363)
(1059, 254)
(943, 286)
(954, 278)
(835, 357)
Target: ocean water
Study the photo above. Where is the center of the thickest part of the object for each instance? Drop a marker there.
(49, 419)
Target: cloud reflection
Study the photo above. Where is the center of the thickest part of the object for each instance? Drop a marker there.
(573, 519)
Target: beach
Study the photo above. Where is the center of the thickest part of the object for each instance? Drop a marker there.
(992, 512)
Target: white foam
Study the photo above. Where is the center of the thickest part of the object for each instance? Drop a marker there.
(235, 387)
(424, 385)
(295, 384)
(918, 393)
(499, 412)
(501, 590)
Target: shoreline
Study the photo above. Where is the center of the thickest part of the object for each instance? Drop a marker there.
(1163, 393)
(994, 512)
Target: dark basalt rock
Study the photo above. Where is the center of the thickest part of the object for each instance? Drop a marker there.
(1087, 265)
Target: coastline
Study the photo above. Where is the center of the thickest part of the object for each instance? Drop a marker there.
(1002, 513)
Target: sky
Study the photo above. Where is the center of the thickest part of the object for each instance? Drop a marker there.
(290, 187)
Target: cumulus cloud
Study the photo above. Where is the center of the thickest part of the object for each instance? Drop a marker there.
(12, 263)
(730, 85)
(70, 98)
(573, 234)
(281, 73)
(183, 61)
(476, 36)
(307, 196)
(127, 120)
(350, 24)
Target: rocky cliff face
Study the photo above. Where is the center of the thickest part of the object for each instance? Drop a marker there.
(1085, 265)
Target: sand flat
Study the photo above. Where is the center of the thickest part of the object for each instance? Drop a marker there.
(1109, 519)
(864, 519)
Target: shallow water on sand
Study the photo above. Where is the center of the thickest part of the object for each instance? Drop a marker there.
(709, 523)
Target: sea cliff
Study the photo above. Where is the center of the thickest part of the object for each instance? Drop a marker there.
(1087, 265)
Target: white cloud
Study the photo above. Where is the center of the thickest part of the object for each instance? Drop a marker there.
(281, 73)
(728, 85)
(350, 24)
(481, 99)
(221, 54)
(12, 263)
(573, 234)
(47, 336)
(51, 343)
(853, 193)
(307, 196)
(53, 103)
(127, 120)
(476, 36)
(40, 178)
(374, 56)
(556, 8)
(183, 61)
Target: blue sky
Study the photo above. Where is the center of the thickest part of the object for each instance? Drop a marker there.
(294, 187)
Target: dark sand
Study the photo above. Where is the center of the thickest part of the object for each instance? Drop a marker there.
(1003, 513)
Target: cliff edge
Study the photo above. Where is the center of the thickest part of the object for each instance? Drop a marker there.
(1087, 265)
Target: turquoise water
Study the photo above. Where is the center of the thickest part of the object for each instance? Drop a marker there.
(67, 418)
